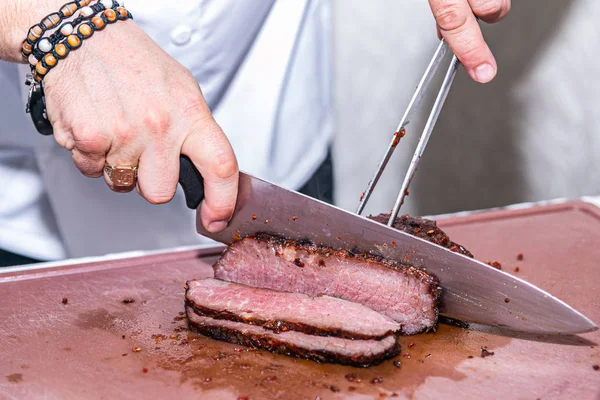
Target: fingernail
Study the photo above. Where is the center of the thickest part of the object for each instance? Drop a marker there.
(484, 73)
(217, 226)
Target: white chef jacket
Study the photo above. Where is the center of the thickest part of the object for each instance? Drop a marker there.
(265, 70)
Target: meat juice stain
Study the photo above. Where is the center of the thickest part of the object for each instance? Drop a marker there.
(245, 371)
(14, 378)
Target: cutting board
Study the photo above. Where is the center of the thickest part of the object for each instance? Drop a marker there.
(115, 330)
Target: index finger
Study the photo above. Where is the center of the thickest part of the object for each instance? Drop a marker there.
(212, 154)
(459, 27)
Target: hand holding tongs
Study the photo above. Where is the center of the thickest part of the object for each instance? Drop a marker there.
(399, 134)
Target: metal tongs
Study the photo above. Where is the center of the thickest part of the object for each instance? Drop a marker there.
(435, 62)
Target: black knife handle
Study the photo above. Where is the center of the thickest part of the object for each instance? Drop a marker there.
(191, 182)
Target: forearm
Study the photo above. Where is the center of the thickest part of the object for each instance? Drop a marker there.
(16, 17)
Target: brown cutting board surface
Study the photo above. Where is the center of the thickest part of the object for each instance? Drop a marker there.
(84, 349)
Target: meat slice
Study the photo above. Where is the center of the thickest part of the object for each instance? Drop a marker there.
(362, 353)
(405, 294)
(282, 311)
(423, 228)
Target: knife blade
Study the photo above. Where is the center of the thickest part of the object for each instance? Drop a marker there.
(472, 291)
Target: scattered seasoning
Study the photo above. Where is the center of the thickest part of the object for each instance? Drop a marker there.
(242, 398)
(244, 366)
(298, 262)
(321, 263)
(428, 355)
(377, 380)
(124, 354)
(596, 367)
(397, 363)
(294, 218)
(253, 217)
(362, 196)
(350, 377)
(128, 300)
(319, 294)
(494, 264)
(136, 349)
(394, 394)
(236, 236)
(206, 380)
(65, 300)
(382, 394)
(407, 356)
(520, 256)
(393, 243)
(397, 138)
(351, 388)
(180, 313)
(334, 389)
(485, 352)
(406, 192)
(517, 269)
(470, 357)
(145, 370)
(174, 336)
(411, 344)
(271, 378)
(507, 300)
(429, 232)
(266, 222)
(123, 337)
(405, 258)
(338, 238)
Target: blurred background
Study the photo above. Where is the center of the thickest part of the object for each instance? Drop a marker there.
(529, 135)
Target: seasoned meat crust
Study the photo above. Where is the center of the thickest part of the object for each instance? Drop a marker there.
(423, 228)
(324, 349)
(283, 311)
(404, 293)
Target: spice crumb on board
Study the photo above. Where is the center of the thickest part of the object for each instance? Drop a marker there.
(411, 344)
(517, 269)
(145, 370)
(469, 356)
(128, 300)
(65, 300)
(377, 379)
(334, 389)
(520, 256)
(242, 398)
(350, 377)
(596, 367)
(495, 264)
(397, 363)
(485, 352)
(136, 349)
(351, 388)
(507, 300)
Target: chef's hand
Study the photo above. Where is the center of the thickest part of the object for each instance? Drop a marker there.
(456, 22)
(121, 99)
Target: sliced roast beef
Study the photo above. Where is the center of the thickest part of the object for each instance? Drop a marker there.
(331, 349)
(405, 294)
(283, 311)
(423, 228)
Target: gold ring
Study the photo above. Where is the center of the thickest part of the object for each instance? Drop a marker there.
(121, 176)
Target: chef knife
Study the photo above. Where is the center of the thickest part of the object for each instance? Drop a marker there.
(472, 291)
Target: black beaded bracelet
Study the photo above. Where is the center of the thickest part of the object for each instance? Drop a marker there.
(49, 22)
(73, 41)
(65, 30)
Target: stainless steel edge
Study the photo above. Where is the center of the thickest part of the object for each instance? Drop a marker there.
(473, 291)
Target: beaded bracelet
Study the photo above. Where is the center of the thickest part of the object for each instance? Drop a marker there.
(75, 39)
(49, 22)
(46, 45)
